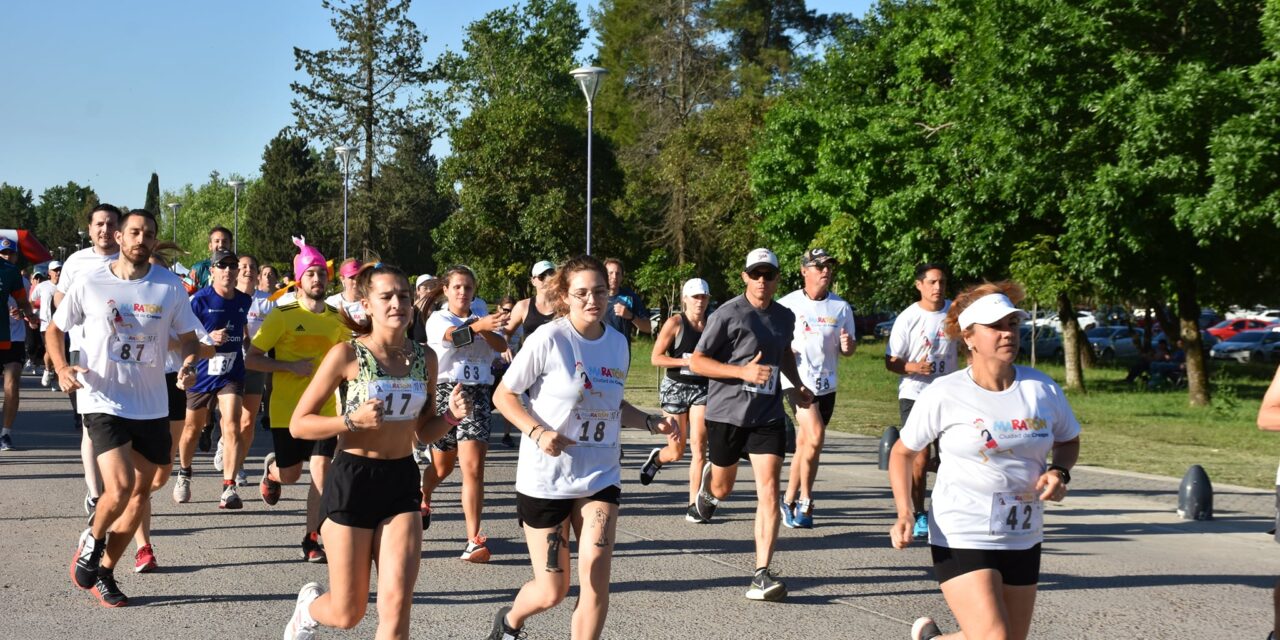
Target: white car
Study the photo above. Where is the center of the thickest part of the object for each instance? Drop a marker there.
(1085, 318)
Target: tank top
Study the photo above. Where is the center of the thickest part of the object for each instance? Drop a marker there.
(681, 347)
(403, 398)
(534, 318)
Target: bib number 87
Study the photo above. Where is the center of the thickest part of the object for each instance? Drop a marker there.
(131, 352)
(587, 435)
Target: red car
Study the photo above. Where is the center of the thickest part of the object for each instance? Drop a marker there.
(1227, 328)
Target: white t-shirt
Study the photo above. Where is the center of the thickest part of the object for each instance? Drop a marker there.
(74, 268)
(43, 296)
(126, 326)
(560, 399)
(472, 364)
(816, 341)
(918, 333)
(355, 310)
(993, 450)
(17, 326)
(258, 310)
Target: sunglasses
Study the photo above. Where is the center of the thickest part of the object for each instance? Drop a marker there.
(505, 309)
(232, 267)
(768, 275)
(544, 276)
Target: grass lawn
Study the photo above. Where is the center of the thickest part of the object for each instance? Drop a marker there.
(1125, 427)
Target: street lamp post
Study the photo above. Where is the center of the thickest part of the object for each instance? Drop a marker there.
(589, 79)
(236, 185)
(344, 152)
(81, 245)
(62, 253)
(173, 218)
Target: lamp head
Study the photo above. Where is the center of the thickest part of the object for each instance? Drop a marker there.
(589, 79)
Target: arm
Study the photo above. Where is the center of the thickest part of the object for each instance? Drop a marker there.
(488, 328)
(307, 423)
(901, 460)
(549, 441)
(54, 338)
(655, 424)
(258, 360)
(432, 427)
(1268, 413)
(643, 323)
(189, 347)
(793, 374)
(753, 372)
(907, 368)
(658, 357)
(1051, 485)
(518, 314)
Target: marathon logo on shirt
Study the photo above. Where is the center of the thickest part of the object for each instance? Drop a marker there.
(152, 311)
(608, 375)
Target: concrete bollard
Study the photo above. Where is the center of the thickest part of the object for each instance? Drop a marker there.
(1195, 495)
(886, 445)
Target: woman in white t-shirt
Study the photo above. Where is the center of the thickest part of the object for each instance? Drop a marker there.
(995, 424)
(574, 370)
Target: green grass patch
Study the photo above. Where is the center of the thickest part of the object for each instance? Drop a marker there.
(1126, 427)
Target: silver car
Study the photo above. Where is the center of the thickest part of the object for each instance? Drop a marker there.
(1110, 343)
(1248, 346)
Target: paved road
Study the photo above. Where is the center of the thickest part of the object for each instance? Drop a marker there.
(1118, 563)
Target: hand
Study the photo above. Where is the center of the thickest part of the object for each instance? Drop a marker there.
(15, 313)
(755, 373)
(67, 380)
(922, 367)
(803, 397)
(846, 342)
(552, 443)
(900, 533)
(460, 405)
(299, 368)
(668, 425)
(1050, 487)
(186, 377)
(368, 415)
(490, 323)
(218, 336)
(507, 356)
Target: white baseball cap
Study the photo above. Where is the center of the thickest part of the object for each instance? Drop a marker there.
(542, 267)
(988, 309)
(423, 279)
(696, 287)
(759, 257)
(55, 265)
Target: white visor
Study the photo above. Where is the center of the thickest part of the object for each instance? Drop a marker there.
(696, 287)
(989, 309)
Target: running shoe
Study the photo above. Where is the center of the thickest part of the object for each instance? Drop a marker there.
(692, 515)
(242, 480)
(766, 586)
(804, 514)
(270, 489)
(84, 564)
(425, 508)
(925, 629)
(230, 498)
(312, 551)
(650, 468)
(507, 441)
(706, 503)
(108, 592)
(6, 442)
(145, 560)
(475, 550)
(46, 378)
(206, 438)
(499, 629)
(303, 627)
(182, 490)
(921, 529)
(788, 514)
(218, 456)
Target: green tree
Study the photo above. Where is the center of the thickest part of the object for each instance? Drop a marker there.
(204, 207)
(61, 213)
(411, 200)
(153, 195)
(17, 210)
(299, 194)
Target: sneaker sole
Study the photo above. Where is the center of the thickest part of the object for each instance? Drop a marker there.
(74, 557)
(146, 568)
(773, 595)
(231, 507)
(108, 605)
(479, 556)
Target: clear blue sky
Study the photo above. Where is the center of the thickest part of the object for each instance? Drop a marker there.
(104, 93)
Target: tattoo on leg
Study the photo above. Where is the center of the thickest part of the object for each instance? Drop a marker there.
(602, 520)
(553, 551)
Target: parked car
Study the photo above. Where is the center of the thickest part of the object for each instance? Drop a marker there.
(1085, 318)
(1248, 346)
(1207, 340)
(1113, 342)
(1227, 328)
(883, 329)
(867, 323)
(1048, 343)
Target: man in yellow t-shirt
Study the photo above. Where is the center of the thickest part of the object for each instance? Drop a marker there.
(300, 332)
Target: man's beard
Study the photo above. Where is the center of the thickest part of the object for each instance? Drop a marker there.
(315, 296)
(138, 262)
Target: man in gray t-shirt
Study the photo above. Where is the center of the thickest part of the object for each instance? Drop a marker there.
(742, 352)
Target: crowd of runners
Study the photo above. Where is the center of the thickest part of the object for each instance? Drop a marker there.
(385, 388)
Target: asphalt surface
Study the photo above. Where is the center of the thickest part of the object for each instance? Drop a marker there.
(1118, 563)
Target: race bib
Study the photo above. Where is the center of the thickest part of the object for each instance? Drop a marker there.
(221, 363)
(596, 428)
(1016, 514)
(769, 388)
(401, 399)
(471, 372)
(823, 382)
(132, 349)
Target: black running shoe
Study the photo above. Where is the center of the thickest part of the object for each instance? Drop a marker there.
(764, 586)
(692, 515)
(650, 468)
(206, 438)
(499, 629)
(84, 564)
(706, 503)
(108, 592)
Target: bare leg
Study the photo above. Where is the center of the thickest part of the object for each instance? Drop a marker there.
(549, 553)
(233, 448)
(919, 477)
(349, 551)
(598, 522)
(471, 453)
(319, 467)
(674, 451)
(88, 458)
(12, 391)
(248, 416)
(397, 549)
(196, 419)
(123, 526)
(985, 608)
(767, 469)
(697, 447)
(442, 464)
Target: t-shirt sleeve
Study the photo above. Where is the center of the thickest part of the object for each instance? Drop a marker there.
(849, 325)
(715, 336)
(71, 312)
(529, 363)
(899, 344)
(185, 320)
(435, 328)
(924, 425)
(270, 331)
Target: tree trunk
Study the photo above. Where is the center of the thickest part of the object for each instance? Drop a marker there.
(1071, 344)
(1189, 331)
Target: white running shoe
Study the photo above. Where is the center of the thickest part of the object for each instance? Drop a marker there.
(182, 490)
(242, 480)
(298, 628)
(46, 378)
(218, 456)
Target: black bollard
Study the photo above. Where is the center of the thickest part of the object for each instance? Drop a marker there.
(886, 445)
(1195, 495)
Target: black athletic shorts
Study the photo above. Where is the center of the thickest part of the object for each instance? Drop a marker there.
(292, 451)
(366, 492)
(826, 406)
(197, 400)
(1018, 568)
(177, 398)
(149, 437)
(730, 443)
(15, 354)
(542, 513)
(255, 382)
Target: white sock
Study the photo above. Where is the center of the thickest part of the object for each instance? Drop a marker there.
(6, 431)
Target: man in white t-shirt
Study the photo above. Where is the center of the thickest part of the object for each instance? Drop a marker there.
(920, 352)
(42, 296)
(824, 331)
(126, 310)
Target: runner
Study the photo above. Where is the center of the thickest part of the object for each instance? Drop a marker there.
(1269, 420)
(506, 304)
(465, 345)
(526, 316)
(220, 239)
(371, 495)
(301, 332)
(683, 394)
(255, 382)
(626, 307)
(574, 370)
(223, 311)
(268, 279)
(268, 283)
(43, 296)
(746, 345)
(104, 222)
(995, 423)
(127, 309)
(347, 300)
(920, 351)
(13, 335)
(824, 331)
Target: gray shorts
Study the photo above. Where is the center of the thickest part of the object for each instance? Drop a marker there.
(255, 382)
(676, 397)
(474, 426)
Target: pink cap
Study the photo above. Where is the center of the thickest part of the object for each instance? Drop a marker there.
(307, 257)
(350, 267)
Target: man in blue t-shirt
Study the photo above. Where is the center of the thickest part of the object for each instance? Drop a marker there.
(626, 307)
(224, 313)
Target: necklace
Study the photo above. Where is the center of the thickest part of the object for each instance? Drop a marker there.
(404, 352)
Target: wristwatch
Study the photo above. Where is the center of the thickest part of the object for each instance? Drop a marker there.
(1062, 472)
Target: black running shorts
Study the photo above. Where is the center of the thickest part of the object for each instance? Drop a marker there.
(150, 438)
(542, 513)
(15, 354)
(177, 398)
(728, 444)
(255, 382)
(1018, 568)
(826, 405)
(292, 451)
(365, 492)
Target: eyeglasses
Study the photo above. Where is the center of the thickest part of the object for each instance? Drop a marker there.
(768, 275)
(231, 267)
(544, 275)
(505, 309)
(824, 266)
(582, 296)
